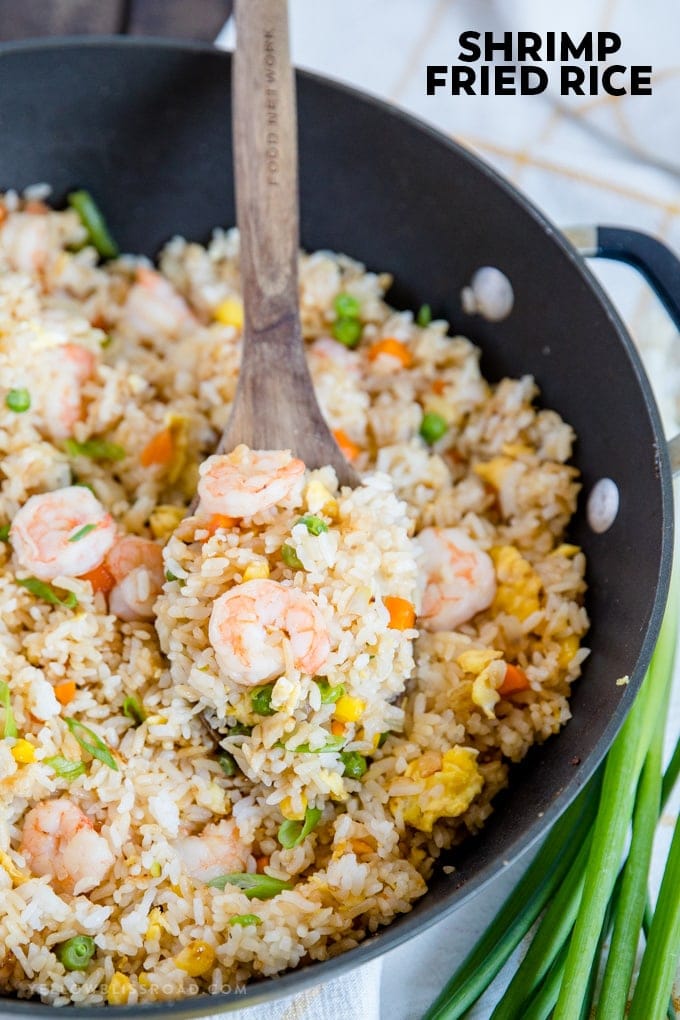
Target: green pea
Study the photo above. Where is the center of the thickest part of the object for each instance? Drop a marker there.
(346, 306)
(313, 524)
(290, 557)
(244, 920)
(240, 730)
(76, 953)
(261, 700)
(292, 833)
(18, 400)
(432, 427)
(4, 532)
(355, 764)
(347, 331)
(228, 764)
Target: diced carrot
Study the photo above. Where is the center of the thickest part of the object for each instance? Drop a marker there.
(349, 448)
(65, 692)
(34, 205)
(438, 387)
(337, 728)
(515, 680)
(402, 612)
(3, 213)
(262, 863)
(158, 450)
(100, 578)
(217, 521)
(395, 348)
(98, 321)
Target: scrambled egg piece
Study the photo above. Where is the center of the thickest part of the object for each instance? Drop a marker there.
(446, 793)
(488, 673)
(492, 471)
(519, 585)
(164, 518)
(178, 425)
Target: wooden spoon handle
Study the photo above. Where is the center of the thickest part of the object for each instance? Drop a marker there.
(265, 144)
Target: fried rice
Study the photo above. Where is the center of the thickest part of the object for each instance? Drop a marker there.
(245, 826)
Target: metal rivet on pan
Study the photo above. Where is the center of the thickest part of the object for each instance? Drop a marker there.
(603, 505)
(489, 294)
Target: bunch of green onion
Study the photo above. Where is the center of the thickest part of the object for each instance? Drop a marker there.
(589, 882)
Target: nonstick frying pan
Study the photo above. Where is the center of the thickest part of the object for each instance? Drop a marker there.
(146, 127)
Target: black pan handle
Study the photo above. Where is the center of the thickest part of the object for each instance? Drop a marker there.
(652, 258)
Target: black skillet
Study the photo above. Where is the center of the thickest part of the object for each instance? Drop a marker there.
(146, 127)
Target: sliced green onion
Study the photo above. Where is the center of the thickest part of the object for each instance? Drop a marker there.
(91, 743)
(240, 730)
(347, 332)
(355, 764)
(332, 744)
(133, 709)
(94, 223)
(76, 953)
(4, 532)
(256, 887)
(292, 833)
(66, 768)
(383, 737)
(10, 728)
(18, 400)
(47, 593)
(227, 763)
(244, 920)
(95, 449)
(169, 576)
(433, 427)
(290, 557)
(313, 524)
(424, 316)
(82, 532)
(261, 700)
(346, 306)
(106, 341)
(329, 693)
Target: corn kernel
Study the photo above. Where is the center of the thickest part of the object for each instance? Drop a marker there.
(230, 313)
(195, 959)
(566, 549)
(144, 980)
(155, 870)
(119, 989)
(256, 570)
(23, 752)
(292, 813)
(349, 709)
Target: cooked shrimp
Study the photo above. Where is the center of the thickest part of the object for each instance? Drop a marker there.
(153, 307)
(63, 371)
(137, 568)
(243, 482)
(460, 578)
(250, 624)
(25, 240)
(60, 841)
(66, 532)
(219, 850)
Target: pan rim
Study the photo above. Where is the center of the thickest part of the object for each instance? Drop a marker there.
(391, 936)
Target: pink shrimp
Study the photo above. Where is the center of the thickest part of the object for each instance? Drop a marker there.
(62, 372)
(25, 239)
(460, 578)
(66, 532)
(244, 482)
(218, 850)
(250, 624)
(60, 841)
(136, 565)
(154, 308)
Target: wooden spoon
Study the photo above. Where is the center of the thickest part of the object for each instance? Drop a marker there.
(275, 407)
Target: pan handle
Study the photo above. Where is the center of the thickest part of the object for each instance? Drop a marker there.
(652, 258)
